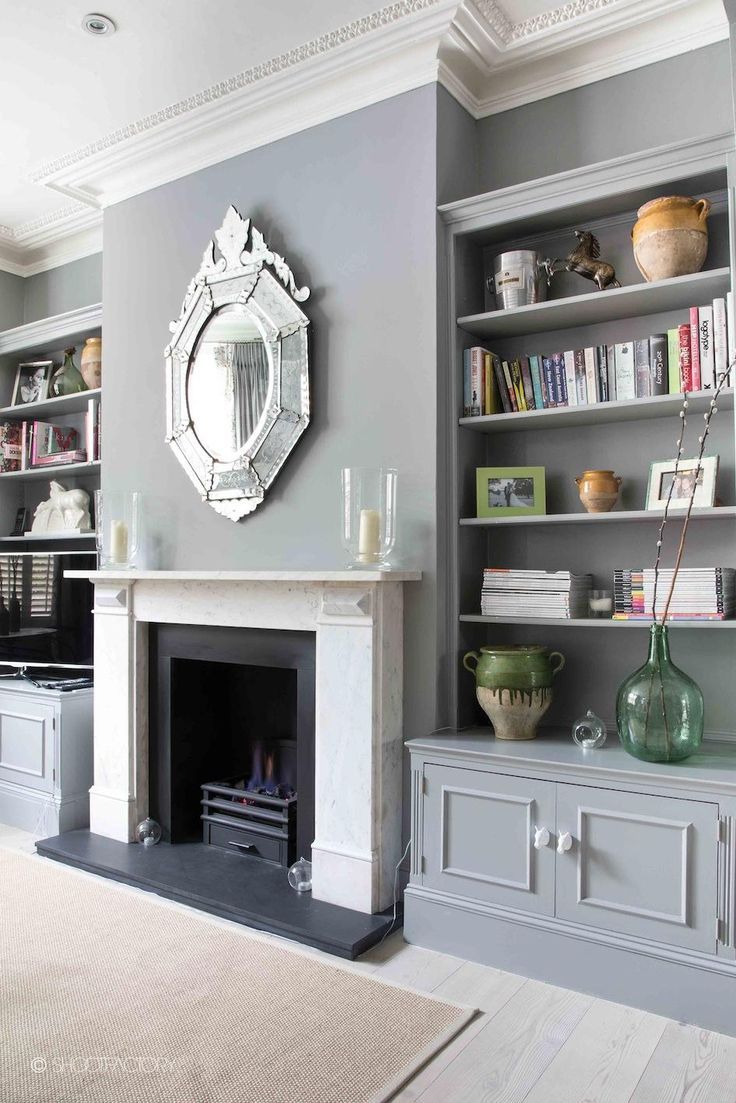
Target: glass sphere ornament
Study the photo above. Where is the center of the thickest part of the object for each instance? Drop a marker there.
(148, 832)
(589, 732)
(300, 876)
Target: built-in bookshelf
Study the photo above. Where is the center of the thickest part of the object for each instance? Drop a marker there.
(46, 339)
(626, 436)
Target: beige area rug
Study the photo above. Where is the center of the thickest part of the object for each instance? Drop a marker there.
(111, 996)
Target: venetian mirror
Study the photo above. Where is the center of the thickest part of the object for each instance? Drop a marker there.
(237, 370)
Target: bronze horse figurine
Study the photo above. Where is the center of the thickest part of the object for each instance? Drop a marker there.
(584, 260)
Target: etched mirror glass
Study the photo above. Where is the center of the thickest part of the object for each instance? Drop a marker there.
(237, 370)
(229, 382)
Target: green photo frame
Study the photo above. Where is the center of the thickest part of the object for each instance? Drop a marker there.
(510, 491)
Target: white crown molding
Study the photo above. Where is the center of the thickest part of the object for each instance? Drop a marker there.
(58, 237)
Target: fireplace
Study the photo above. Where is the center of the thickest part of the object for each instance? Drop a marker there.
(231, 738)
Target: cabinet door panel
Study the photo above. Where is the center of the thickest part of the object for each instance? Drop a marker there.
(639, 865)
(26, 742)
(479, 834)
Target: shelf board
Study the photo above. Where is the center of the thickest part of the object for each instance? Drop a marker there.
(711, 513)
(37, 537)
(599, 413)
(595, 307)
(591, 622)
(52, 471)
(67, 404)
(50, 333)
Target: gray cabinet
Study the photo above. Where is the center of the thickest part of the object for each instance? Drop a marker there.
(45, 757)
(585, 870)
(479, 832)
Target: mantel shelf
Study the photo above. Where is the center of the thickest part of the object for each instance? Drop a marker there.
(591, 622)
(599, 413)
(596, 307)
(712, 513)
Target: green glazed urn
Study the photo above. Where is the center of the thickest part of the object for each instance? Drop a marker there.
(513, 684)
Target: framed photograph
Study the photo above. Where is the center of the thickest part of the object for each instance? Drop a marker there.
(32, 382)
(662, 473)
(510, 491)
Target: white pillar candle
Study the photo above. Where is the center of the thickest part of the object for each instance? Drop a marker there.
(118, 542)
(369, 536)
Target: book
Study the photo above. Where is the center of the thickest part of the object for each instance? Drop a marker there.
(695, 348)
(673, 361)
(510, 386)
(642, 375)
(10, 446)
(50, 440)
(518, 384)
(720, 341)
(487, 404)
(625, 388)
(730, 336)
(536, 374)
(558, 368)
(602, 372)
(521, 593)
(611, 369)
(72, 455)
(476, 380)
(658, 363)
(686, 377)
(707, 358)
(572, 394)
(90, 428)
(501, 384)
(467, 404)
(549, 379)
(581, 386)
(591, 375)
(527, 381)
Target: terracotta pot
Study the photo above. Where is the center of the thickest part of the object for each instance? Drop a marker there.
(670, 237)
(599, 490)
(91, 362)
(513, 685)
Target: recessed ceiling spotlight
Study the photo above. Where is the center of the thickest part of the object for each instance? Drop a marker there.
(98, 24)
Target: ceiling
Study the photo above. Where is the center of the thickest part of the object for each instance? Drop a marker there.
(88, 121)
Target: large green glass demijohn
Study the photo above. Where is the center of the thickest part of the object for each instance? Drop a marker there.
(68, 379)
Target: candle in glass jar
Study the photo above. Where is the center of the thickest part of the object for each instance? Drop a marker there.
(118, 542)
(369, 535)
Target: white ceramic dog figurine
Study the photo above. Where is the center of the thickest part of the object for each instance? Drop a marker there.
(64, 510)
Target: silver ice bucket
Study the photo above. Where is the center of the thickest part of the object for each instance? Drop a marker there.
(519, 279)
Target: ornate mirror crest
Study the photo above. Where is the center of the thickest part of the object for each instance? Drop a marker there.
(237, 370)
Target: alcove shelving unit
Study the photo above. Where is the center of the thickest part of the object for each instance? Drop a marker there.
(46, 339)
(626, 436)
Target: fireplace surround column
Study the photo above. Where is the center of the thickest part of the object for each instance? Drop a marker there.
(358, 620)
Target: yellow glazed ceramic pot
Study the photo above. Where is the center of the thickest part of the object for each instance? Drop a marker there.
(670, 237)
(599, 490)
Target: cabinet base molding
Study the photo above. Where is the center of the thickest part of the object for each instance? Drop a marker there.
(688, 987)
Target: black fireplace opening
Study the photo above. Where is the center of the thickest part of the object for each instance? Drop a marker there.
(231, 740)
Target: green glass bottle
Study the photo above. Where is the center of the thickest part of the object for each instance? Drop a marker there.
(67, 380)
(659, 708)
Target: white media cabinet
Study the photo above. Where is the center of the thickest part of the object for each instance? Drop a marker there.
(45, 757)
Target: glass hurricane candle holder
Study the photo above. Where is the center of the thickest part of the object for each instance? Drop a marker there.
(369, 515)
(117, 527)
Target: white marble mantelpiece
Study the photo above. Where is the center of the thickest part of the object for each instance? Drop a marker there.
(358, 620)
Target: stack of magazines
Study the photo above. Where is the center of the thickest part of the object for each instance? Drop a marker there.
(701, 593)
(556, 594)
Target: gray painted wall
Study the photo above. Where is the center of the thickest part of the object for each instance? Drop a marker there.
(684, 97)
(64, 288)
(11, 300)
(351, 204)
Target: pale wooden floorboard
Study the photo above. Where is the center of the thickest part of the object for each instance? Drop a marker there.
(603, 1059)
(689, 1066)
(506, 1058)
(413, 966)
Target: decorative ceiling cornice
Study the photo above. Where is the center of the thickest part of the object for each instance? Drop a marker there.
(27, 230)
(545, 21)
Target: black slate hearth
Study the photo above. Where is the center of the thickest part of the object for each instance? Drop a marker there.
(233, 886)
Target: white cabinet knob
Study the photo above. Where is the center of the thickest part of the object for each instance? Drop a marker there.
(541, 838)
(564, 842)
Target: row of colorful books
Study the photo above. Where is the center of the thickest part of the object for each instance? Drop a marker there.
(700, 593)
(689, 357)
(520, 593)
(34, 444)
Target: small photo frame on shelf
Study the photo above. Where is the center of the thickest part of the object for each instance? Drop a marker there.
(32, 382)
(22, 518)
(687, 475)
(510, 491)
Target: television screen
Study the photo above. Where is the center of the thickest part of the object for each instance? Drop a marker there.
(45, 618)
